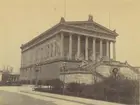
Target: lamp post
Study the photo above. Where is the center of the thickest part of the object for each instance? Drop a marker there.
(63, 69)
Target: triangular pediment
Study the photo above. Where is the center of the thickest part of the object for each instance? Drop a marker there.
(91, 25)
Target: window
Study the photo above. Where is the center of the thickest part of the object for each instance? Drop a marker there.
(51, 50)
(41, 53)
(48, 51)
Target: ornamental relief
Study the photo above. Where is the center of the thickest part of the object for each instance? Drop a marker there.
(84, 30)
(96, 28)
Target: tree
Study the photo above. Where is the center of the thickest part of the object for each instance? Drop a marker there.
(55, 84)
(75, 87)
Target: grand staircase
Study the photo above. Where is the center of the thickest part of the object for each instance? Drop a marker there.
(125, 69)
(100, 70)
(91, 67)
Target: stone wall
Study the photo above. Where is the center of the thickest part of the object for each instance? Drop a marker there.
(104, 71)
(78, 78)
(128, 73)
(86, 78)
(47, 71)
(42, 52)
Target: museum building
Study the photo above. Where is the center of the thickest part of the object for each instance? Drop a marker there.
(71, 43)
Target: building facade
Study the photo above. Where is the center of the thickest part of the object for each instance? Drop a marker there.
(6, 76)
(67, 41)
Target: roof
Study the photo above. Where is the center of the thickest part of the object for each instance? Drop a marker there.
(88, 25)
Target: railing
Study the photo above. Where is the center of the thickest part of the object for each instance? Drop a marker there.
(133, 68)
(85, 68)
(96, 64)
(91, 66)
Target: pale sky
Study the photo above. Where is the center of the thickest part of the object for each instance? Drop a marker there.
(22, 20)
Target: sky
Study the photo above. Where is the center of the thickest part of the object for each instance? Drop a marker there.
(22, 20)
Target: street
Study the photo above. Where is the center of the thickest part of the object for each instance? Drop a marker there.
(12, 95)
(11, 98)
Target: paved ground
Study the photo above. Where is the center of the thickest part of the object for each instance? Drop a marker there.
(11, 98)
(12, 95)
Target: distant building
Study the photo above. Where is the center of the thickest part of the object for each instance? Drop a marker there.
(8, 77)
(70, 42)
(13, 77)
(0, 76)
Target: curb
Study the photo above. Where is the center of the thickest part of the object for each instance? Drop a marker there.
(97, 102)
(57, 98)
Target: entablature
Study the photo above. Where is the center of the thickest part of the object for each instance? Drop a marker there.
(71, 29)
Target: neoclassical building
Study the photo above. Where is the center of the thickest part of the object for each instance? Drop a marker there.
(67, 41)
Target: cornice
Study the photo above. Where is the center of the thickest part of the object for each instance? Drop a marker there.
(51, 61)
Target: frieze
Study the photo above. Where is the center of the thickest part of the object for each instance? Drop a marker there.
(95, 28)
(89, 34)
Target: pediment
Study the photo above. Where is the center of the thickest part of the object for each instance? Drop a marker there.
(91, 25)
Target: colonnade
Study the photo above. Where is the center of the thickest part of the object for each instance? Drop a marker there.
(108, 42)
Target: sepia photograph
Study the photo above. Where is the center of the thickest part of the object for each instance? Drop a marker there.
(69, 52)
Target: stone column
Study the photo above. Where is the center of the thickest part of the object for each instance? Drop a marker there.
(62, 45)
(94, 49)
(78, 46)
(70, 46)
(114, 51)
(101, 48)
(86, 48)
(107, 49)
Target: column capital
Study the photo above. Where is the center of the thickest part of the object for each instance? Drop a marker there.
(112, 41)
